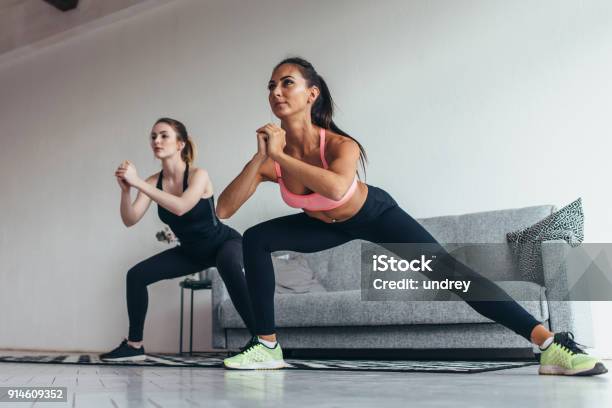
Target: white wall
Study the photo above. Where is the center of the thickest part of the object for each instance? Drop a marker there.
(463, 106)
(27, 22)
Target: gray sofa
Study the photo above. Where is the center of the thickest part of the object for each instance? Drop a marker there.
(339, 319)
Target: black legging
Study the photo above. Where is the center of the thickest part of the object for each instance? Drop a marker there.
(181, 261)
(380, 220)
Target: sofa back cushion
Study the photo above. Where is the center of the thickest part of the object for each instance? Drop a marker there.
(495, 260)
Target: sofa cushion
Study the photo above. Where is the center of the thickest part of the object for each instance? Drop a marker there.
(294, 275)
(483, 227)
(338, 268)
(494, 261)
(347, 309)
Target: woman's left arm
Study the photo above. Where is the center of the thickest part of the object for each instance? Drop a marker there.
(178, 205)
(332, 182)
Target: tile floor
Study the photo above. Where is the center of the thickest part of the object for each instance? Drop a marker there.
(112, 386)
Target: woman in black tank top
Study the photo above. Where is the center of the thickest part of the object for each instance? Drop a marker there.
(185, 202)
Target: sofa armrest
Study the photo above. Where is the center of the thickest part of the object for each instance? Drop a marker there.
(565, 315)
(218, 295)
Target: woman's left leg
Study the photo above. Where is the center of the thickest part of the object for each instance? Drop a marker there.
(230, 266)
(396, 226)
(561, 355)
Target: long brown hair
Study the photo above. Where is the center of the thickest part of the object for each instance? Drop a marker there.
(323, 109)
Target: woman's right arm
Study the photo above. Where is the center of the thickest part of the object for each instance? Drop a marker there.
(242, 187)
(131, 213)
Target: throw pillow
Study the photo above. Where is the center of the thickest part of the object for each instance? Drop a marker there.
(526, 244)
(293, 275)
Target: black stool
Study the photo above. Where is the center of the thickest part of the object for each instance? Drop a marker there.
(193, 284)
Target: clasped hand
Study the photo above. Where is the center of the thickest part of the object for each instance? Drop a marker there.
(271, 140)
(126, 175)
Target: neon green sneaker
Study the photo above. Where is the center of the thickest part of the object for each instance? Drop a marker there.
(564, 357)
(256, 356)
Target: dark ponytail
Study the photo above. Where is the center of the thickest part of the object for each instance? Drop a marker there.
(323, 109)
(188, 153)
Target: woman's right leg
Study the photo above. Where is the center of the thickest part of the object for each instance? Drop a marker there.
(169, 264)
(297, 232)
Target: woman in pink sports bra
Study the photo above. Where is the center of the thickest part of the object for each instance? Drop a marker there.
(314, 202)
(315, 165)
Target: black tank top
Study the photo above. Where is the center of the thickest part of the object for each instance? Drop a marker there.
(199, 223)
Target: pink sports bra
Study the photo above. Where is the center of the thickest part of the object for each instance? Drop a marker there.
(313, 201)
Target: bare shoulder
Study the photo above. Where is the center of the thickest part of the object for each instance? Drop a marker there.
(198, 172)
(199, 176)
(152, 179)
(339, 145)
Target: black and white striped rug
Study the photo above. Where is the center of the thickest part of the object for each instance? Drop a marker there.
(215, 360)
